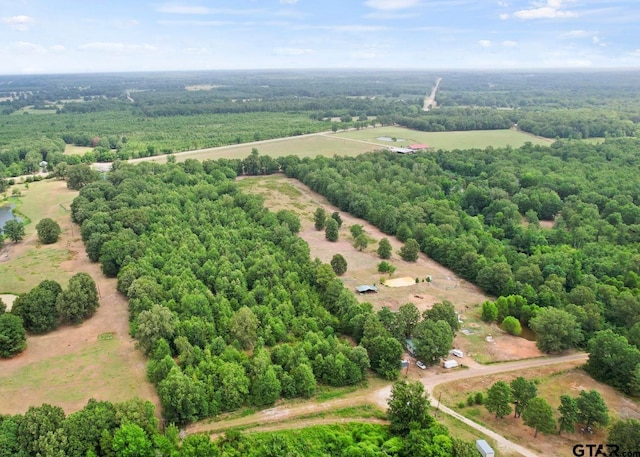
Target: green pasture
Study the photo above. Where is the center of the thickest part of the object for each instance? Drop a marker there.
(471, 139)
(26, 268)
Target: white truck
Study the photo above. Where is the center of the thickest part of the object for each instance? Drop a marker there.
(485, 450)
(450, 364)
(457, 353)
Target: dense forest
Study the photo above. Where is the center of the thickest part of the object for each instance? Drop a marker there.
(223, 295)
(123, 116)
(479, 212)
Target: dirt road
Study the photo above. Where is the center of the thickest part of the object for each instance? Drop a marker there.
(379, 396)
(430, 101)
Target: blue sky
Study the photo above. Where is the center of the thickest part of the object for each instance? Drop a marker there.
(69, 36)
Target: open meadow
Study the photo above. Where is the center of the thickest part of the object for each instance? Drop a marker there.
(472, 139)
(66, 367)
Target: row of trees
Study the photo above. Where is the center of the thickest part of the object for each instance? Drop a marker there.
(588, 409)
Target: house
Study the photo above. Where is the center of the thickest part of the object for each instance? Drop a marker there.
(485, 450)
(450, 364)
(411, 347)
(366, 289)
(418, 146)
(457, 353)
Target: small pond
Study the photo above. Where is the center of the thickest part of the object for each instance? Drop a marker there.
(6, 215)
(388, 138)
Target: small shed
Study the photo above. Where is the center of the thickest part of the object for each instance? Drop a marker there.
(366, 289)
(450, 364)
(485, 450)
(402, 150)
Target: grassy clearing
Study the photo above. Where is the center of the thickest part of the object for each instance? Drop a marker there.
(23, 273)
(72, 149)
(29, 262)
(71, 379)
(446, 140)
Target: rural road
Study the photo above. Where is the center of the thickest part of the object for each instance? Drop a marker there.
(430, 101)
(379, 398)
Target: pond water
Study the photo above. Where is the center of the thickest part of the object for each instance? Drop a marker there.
(6, 215)
(388, 138)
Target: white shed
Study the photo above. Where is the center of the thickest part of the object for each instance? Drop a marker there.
(484, 448)
(450, 364)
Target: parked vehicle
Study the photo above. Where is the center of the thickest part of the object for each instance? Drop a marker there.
(421, 365)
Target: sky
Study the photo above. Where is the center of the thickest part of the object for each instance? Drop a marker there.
(71, 36)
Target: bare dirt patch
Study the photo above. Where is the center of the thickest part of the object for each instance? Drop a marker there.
(399, 282)
(8, 300)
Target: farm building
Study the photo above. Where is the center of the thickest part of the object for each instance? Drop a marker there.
(411, 348)
(366, 289)
(485, 450)
(450, 364)
(418, 146)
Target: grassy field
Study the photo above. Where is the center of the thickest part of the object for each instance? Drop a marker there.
(25, 264)
(72, 149)
(303, 146)
(70, 379)
(446, 140)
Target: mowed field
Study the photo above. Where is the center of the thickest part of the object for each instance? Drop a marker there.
(445, 140)
(552, 382)
(67, 367)
(356, 142)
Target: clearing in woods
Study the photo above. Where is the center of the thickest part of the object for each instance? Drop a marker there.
(435, 283)
(96, 359)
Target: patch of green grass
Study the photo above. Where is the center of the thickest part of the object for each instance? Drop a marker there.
(21, 274)
(446, 140)
(329, 393)
(283, 188)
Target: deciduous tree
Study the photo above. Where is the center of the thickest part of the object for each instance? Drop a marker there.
(556, 330)
(568, 410)
(592, 410)
(320, 218)
(539, 416)
(331, 232)
(79, 300)
(433, 340)
(384, 249)
(522, 392)
(14, 230)
(339, 264)
(410, 250)
(408, 407)
(498, 399)
(13, 337)
(48, 231)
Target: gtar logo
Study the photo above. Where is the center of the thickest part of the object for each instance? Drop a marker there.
(596, 450)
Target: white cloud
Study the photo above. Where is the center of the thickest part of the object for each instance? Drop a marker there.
(19, 23)
(25, 46)
(551, 9)
(364, 55)
(291, 51)
(390, 5)
(116, 48)
(503, 4)
(57, 48)
(504, 16)
(183, 9)
(575, 34)
(485, 43)
(509, 43)
(289, 2)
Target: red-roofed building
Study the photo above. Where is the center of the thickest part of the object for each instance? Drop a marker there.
(418, 146)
